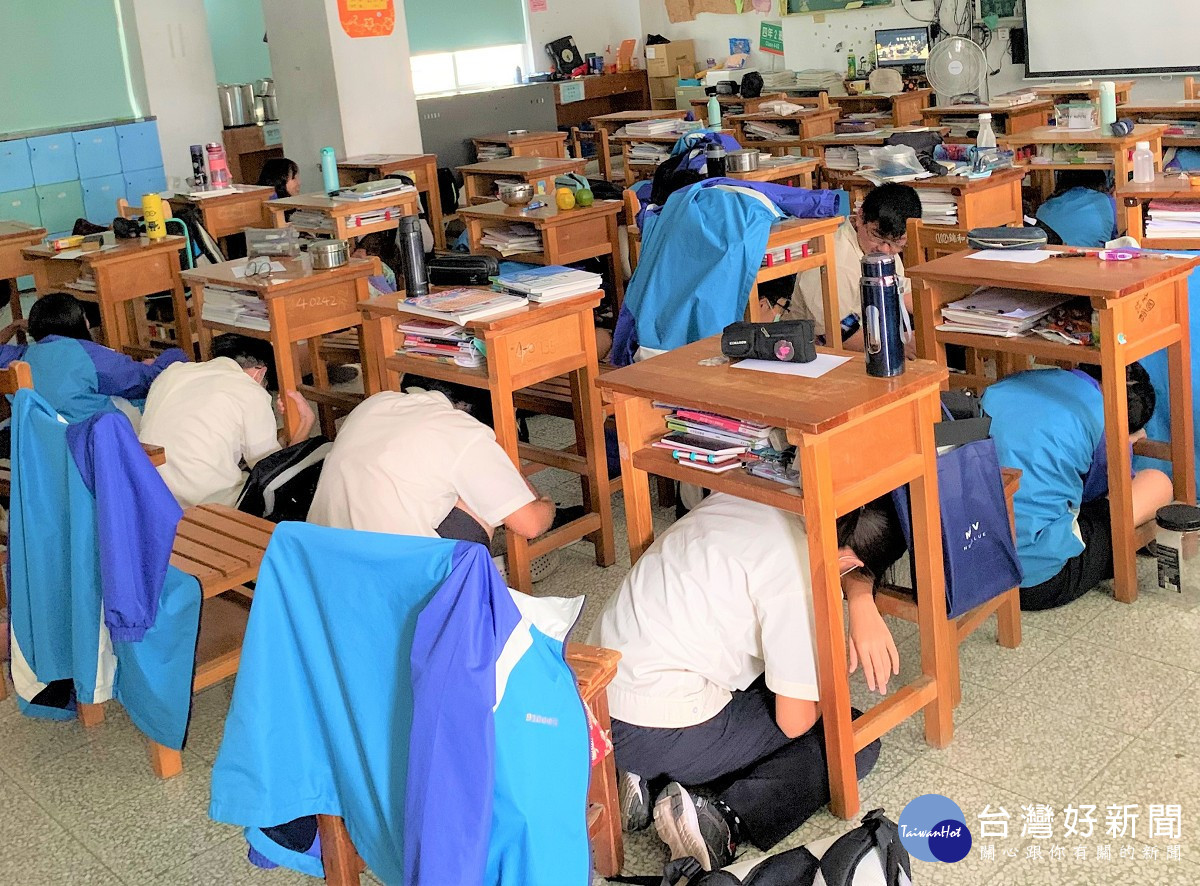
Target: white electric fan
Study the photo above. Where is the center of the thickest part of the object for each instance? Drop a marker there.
(957, 71)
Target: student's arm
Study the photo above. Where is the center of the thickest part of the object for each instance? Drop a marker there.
(533, 519)
(260, 432)
(307, 419)
(496, 492)
(120, 376)
(785, 624)
(795, 716)
(870, 640)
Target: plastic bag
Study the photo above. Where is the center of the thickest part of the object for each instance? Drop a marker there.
(894, 160)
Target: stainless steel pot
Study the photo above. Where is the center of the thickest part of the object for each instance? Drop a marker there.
(328, 254)
(265, 86)
(745, 160)
(247, 90)
(270, 108)
(233, 111)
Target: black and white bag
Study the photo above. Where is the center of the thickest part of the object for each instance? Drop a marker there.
(282, 485)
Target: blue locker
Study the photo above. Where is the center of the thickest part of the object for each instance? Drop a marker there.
(139, 147)
(100, 197)
(144, 181)
(53, 159)
(21, 206)
(61, 205)
(96, 152)
(15, 172)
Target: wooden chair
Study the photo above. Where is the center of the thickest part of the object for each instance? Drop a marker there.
(12, 379)
(1191, 89)
(127, 210)
(599, 138)
(632, 207)
(1007, 607)
(594, 669)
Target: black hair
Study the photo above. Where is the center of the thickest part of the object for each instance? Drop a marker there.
(381, 245)
(874, 533)
(248, 353)
(1139, 392)
(889, 207)
(475, 402)
(1092, 179)
(276, 172)
(58, 313)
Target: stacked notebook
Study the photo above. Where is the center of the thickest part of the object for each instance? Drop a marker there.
(550, 283)
(1173, 220)
(492, 152)
(844, 159)
(461, 306)
(651, 127)
(648, 153)
(235, 307)
(512, 239)
(768, 130)
(440, 340)
(710, 442)
(1005, 313)
(938, 207)
(370, 190)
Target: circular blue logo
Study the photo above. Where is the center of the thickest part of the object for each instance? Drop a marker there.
(933, 828)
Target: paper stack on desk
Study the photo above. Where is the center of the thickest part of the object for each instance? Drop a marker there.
(1006, 313)
(650, 127)
(938, 207)
(441, 341)
(552, 283)
(512, 239)
(844, 159)
(648, 153)
(486, 153)
(1173, 220)
(235, 307)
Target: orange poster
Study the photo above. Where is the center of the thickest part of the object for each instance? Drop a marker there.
(367, 18)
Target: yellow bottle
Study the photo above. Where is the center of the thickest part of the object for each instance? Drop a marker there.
(152, 212)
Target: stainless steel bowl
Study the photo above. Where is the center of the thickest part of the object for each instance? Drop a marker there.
(328, 254)
(514, 193)
(745, 160)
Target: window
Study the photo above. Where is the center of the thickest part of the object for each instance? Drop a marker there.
(467, 69)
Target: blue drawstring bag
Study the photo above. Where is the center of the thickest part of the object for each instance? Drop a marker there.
(978, 551)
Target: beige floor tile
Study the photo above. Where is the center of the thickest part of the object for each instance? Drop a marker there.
(983, 661)
(30, 742)
(1121, 691)
(225, 865)
(1176, 728)
(207, 725)
(1073, 620)
(1151, 629)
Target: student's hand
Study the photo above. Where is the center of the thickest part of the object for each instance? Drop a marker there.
(871, 643)
(307, 417)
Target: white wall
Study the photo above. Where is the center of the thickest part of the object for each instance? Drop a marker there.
(711, 33)
(180, 81)
(596, 25)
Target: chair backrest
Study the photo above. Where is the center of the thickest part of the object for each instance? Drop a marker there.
(126, 210)
(632, 207)
(15, 377)
(1190, 88)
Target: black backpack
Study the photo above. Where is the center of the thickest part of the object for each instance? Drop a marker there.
(282, 485)
(752, 85)
(675, 173)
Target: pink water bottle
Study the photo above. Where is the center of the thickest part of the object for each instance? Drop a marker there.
(218, 169)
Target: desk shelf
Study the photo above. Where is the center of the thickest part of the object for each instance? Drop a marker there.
(1025, 346)
(736, 482)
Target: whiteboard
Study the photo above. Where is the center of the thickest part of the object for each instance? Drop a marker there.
(1111, 36)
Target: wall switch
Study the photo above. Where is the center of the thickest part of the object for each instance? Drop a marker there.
(1003, 34)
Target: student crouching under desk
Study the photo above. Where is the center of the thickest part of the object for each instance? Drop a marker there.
(715, 703)
(1082, 211)
(1049, 423)
(212, 417)
(879, 225)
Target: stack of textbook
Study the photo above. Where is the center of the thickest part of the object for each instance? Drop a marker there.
(551, 283)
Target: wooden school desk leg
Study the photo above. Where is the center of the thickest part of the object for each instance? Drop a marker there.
(614, 260)
(1179, 378)
(1131, 218)
(320, 373)
(937, 658)
(504, 420)
(287, 370)
(165, 762)
(589, 439)
(608, 845)
(829, 294)
(832, 677)
(183, 323)
(474, 233)
(90, 714)
(340, 859)
(113, 319)
(1116, 432)
(203, 333)
(637, 422)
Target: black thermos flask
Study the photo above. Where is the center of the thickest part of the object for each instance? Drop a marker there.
(881, 316)
(412, 256)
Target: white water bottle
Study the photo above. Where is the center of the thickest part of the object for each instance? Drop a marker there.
(986, 139)
(1143, 164)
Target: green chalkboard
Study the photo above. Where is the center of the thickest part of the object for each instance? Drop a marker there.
(815, 7)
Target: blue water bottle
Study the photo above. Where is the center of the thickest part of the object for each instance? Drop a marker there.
(881, 316)
(329, 170)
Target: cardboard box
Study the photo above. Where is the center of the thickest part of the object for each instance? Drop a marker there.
(663, 87)
(685, 94)
(664, 59)
(716, 75)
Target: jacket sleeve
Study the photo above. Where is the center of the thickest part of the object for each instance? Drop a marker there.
(118, 375)
(9, 353)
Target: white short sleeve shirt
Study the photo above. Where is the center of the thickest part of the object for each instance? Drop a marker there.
(720, 599)
(208, 417)
(402, 461)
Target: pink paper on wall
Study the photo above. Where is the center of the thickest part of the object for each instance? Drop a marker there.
(537, 5)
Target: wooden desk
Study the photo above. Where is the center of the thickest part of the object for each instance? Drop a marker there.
(567, 235)
(1163, 115)
(229, 214)
(247, 151)
(14, 237)
(635, 172)
(124, 275)
(734, 104)
(421, 168)
(818, 233)
(479, 179)
(301, 307)
(794, 171)
(341, 213)
(607, 125)
(1131, 202)
(858, 438)
(815, 146)
(1005, 119)
(904, 107)
(603, 94)
(809, 123)
(1143, 307)
(594, 668)
(1060, 92)
(526, 144)
(1046, 138)
(525, 347)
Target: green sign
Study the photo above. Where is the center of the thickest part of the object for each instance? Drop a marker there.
(571, 91)
(272, 135)
(770, 38)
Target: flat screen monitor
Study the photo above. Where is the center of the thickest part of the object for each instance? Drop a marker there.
(901, 47)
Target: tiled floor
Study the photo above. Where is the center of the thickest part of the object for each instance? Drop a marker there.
(1099, 706)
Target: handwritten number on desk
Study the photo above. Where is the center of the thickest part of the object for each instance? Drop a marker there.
(316, 301)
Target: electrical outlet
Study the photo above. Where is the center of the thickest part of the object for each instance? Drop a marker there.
(1003, 34)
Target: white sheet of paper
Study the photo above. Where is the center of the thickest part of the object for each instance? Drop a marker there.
(79, 253)
(1017, 256)
(823, 364)
(241, 272)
